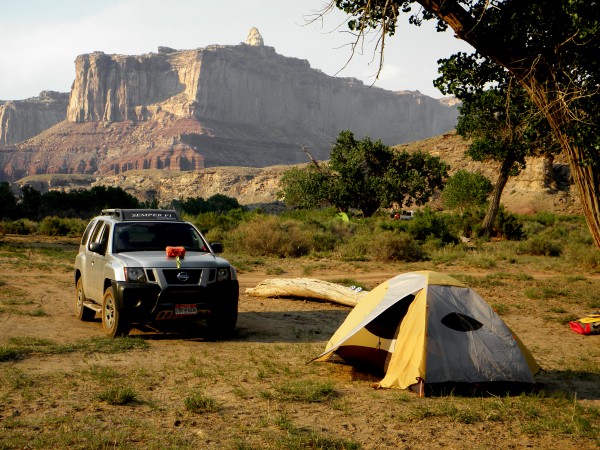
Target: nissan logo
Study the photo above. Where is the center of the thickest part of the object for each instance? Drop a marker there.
(182, 276)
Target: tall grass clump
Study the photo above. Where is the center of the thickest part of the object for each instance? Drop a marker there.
(198, 403)
(118, 395)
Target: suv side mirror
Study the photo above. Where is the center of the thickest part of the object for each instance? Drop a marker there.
(217, 247)
(97, 247)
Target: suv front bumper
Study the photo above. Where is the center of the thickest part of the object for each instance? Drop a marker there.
(145, 302)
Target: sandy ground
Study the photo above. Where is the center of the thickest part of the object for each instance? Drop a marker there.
(366, 416)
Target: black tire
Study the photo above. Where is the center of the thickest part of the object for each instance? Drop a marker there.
(114, 320)
(81, 311)
(221, 323)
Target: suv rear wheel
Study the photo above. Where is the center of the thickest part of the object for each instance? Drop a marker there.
(81, 311)
(114, 321)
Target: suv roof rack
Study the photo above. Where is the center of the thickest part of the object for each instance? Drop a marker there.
(166, 215)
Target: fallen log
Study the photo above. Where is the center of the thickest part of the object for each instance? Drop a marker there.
(306, 288)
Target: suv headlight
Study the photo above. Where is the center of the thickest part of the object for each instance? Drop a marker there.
(136, 274)
(222, 274)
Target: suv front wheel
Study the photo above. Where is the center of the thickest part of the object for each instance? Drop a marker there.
(114, 321)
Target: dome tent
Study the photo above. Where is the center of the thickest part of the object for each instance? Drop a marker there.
(428, 329)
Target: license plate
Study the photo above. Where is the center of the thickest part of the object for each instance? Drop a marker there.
(186, 310)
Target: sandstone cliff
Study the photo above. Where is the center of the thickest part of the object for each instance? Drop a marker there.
(241, 105)
(22, 119)
(249, 86)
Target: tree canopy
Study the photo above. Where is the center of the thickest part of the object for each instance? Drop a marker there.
(365, 175)
(551, 48)
(496, 115)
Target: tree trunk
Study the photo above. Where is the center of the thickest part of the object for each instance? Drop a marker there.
(586, 174)
(492, 212)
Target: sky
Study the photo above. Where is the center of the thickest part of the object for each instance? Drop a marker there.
(40, 39)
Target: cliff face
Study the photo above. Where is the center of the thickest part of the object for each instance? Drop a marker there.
(114, 88)
(285, 93)
(22, 119)
(249, 86)
(241, 105)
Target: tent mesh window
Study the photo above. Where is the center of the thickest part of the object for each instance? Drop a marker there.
(461, 322)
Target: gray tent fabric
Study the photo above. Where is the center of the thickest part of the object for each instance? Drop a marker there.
(488, 354)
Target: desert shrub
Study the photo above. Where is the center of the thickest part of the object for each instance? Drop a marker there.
(544, 218)
(216, 234)
(225, 221)
(427, 224)
(21, 226)
(58, 226)
(509, 226)
(324, 241)
(357, 248)
(467, 223)
(585, 256)
(390, 246)
(271, 236)
(531, 228)
(540, 245)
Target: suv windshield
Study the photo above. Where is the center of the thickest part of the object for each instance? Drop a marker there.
(137, 237)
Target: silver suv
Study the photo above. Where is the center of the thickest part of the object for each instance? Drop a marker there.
(147, 265)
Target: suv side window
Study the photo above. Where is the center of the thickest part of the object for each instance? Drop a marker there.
(87, 232)
(100, 235)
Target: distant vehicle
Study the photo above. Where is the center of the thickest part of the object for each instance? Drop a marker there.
(403, 215)
(407, 215)
(147, 265)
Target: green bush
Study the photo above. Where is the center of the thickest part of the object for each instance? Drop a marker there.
(466, 190)
(545, 218)
(58, 226)
(509, 226)
(357, 248)
(224, 221)
(21, 226)
(390, 246)
(540, 245)
(271, 236)
(427, 224)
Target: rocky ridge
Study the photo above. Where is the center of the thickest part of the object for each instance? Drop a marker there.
(545, 185)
